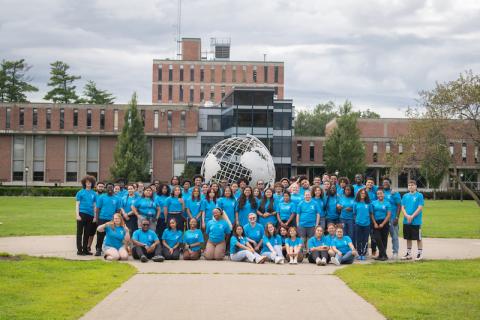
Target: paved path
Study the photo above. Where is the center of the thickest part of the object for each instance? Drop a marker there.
(227, 289)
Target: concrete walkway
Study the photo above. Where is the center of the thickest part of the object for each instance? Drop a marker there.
(212, 290)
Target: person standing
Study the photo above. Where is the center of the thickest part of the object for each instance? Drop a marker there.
(107, 205)
(85, 214)
(380, 221)
(266, 209)
(362, 209)
(246, 205)
(147, 209)
(395, 207)
(412, 210)
(128, 200)
(345, 205)
(308, 216)
(285, 211)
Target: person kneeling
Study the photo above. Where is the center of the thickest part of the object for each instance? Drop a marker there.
(193, 241)
(171, 241)
(116, 237)
(241, 249)
(318, 248)
(294, 247)
(344, 251)
(146, 244)
(217, 230)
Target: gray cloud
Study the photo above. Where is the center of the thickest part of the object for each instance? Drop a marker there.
(378, 54)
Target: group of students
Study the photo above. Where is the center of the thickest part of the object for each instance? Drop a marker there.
(328, 221)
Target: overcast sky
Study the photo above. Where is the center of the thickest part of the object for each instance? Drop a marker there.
(377, 54)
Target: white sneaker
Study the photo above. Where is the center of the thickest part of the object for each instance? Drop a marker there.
(290, 261)
(261, 259)
(277, 260)
(318, 261)
(323, 262)
(282, 261)
(295, 260)
(407, 257)
(419, 256)
(335, 261)
(395, 256)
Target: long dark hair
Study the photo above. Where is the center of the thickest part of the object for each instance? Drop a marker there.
(199, 194)
(264, 202)
(145, 189)
(207, 197)
(243, 199)
(232, 196)
(160, 188)
(357, 197)
(352, 191)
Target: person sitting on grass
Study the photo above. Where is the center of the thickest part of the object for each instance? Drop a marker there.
(192, 240)
(272, 244)
(171, 241)
(117, 236)
(146, 244)
(294, 246)
(343, 247)
(241, 249)
(318, 248)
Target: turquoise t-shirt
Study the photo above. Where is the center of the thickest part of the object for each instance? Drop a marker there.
(307, 212)
(320, 204)
(411, 201)
(395, 200)
(274, 241)
(293, 243)
(172, 237)
(217, 230)
(173, 205)
(146, 207)
(194, 206)
(346, 202)
(128, 202)
(244, 212)
(233, 244)
(270, 219)
(362, 212)
(207, 207)
(107, 206)
(228, 205)
(87, 199)
(146, 237)
(331, 207)
(255, 233)
(114, 237)
(285, 209)
(342, 245)
(313, 242)
(193, 236)
(380, 209)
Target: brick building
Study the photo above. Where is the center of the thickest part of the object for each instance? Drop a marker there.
(379, 137)
(196, 80)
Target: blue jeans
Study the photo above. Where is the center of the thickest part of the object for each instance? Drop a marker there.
(347, 258)
(394, 234)
(361, 237)
(348, 228)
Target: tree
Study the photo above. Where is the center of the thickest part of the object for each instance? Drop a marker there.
(13, 81)
(188, 171)
(344, 151)
(63, 89)
(368, 114)
(95, 96)
(131, 155)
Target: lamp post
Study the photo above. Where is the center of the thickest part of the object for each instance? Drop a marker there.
(151, 174)
(26, 178)
(461, 189)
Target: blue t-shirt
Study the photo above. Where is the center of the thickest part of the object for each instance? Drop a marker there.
(217, 230)
(320, 204)
(307, 213)
(342, 245)
(411, 201)
(277, 198)
(329, 239)
(173, 205)
(362, 212)
(237, 194)
(146, 237)
(172, 237)
(128, 202)
(87, 199)
(186, 195)
(233, 244)
(395, 201)
(160, 201)
(372, 194)
(244, 212)
(270, 219)
(146, 207)
(293, 243)
(107, 206)
(285, 209)
(331, 207)
(193, 236)
(114, 237)
(380, 209)
(195, 206)
(275, 240)
(346, 202)
(228, 205)
(296, 198)
(357, 188)
(255, 233)
(313, 242)
(207, 207)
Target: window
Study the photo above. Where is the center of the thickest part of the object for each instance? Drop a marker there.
(155, 119)
(180, 93)
(403, 180)
(223, 92)
(192, 73)
(282, 147)
(451, 148)
(323, 152)
(400, 148)
(48, 119)
(265, 74)
(89, 118)
(476, 154)
(244, 73)
(207, 143)
(275, 90)
(115, 120)
(375, 152)
(275, 74)
(212, 74)
(223, 74)
(282, 120)
(142, 114)
(254, 74)
(21, 117)
(62, 118)
(35, 117)
(299, 150)
(92, 156)
(387, 147)
(214, 123)
(254, 118)
(102, 119)
(38, 158)
(182, 119)
(7, 118)
(18, 158)
(212, 93)
(178, 149)
(159, 92)
(170, 92)
(75, 118)
(234, 74)
(170, 73)
(202, 94)
(71, 159)
(464, 152)
(169, 119)
(192, 93)
(312, 151)
(160, 76)
(181, 73)
(202, 74)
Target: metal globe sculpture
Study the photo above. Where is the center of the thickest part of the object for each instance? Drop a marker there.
(239, 157)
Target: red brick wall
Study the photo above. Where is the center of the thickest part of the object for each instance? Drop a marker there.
(191, 49)
(162, 158)
(107, 148)
(55, 159)
(6, 158)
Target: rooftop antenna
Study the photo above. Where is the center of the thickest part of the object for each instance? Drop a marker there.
(264, 57)
(179, 29)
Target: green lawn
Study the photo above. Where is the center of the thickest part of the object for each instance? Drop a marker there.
(56, 216)
(425, 290)
(51, 288)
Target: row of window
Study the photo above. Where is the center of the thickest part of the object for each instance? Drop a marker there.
(243, 72)
(48, 118)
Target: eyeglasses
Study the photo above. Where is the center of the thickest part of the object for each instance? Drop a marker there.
(146, 224)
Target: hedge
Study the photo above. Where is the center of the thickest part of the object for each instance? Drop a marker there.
(39, 191)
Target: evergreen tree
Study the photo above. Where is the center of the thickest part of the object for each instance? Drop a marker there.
(343, 149)
(13, 81)
(131, 155)
(63, 89)
(93, 95)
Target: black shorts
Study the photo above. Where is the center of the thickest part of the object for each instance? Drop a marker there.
(412, 232)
